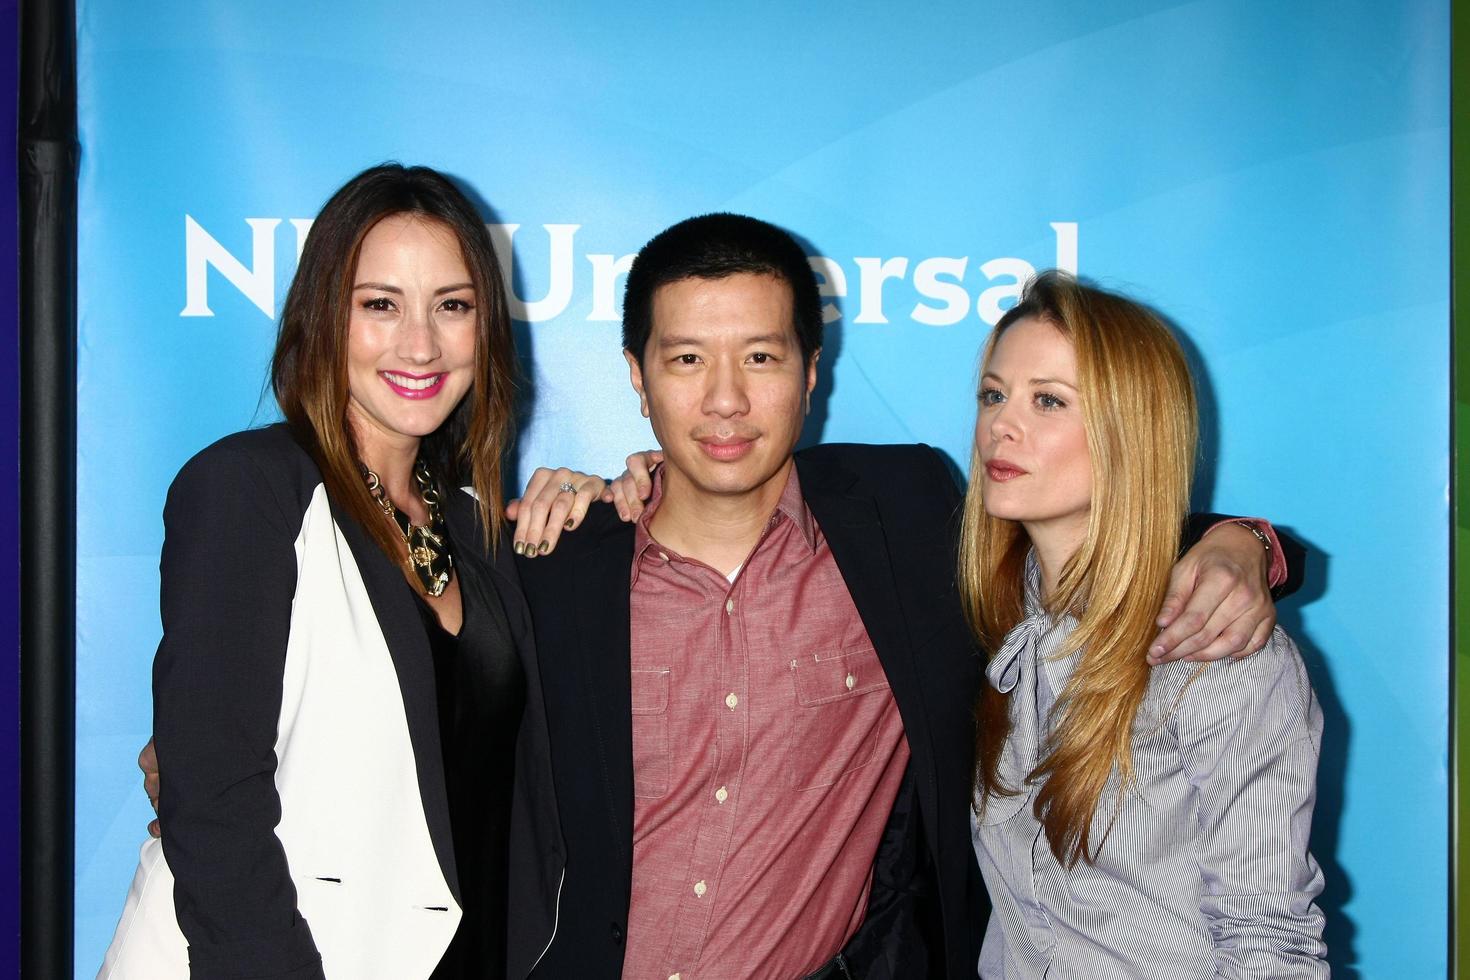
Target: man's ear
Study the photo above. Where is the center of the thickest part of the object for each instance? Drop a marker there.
(811, 377)
(635, 376)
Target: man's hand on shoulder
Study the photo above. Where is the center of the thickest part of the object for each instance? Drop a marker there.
(1218, 604)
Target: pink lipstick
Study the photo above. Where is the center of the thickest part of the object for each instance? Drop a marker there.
(415, 386)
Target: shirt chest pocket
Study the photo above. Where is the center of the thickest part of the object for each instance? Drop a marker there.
(840, 702)
(650, 704)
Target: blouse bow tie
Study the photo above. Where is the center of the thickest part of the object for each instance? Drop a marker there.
(1012, 672)
(1004, 670)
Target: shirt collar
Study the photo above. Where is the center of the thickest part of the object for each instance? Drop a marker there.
(1034, 605)
(642, 538)
(791, 505)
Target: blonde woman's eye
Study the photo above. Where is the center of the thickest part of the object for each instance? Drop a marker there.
(1049, 402)
(990, 396)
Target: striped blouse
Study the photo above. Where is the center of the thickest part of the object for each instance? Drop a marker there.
(1205, 871)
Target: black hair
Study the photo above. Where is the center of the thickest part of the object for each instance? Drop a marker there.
(715, 246)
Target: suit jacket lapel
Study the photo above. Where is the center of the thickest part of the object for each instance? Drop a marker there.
(851, 523)
(504, 576)
(403, 631)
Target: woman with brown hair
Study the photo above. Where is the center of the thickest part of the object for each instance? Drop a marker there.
(1130, 821)
(347, 707)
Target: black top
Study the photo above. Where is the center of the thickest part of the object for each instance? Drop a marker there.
(481, 689)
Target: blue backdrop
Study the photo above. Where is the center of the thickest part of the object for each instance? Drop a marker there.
(1273, 177)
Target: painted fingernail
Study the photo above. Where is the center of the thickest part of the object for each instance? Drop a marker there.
(568, 524)
(520, 548)
(544, 548)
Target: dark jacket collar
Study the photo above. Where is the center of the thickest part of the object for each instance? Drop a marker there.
(403, 631)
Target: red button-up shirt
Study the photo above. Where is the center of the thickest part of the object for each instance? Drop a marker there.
(767, 753)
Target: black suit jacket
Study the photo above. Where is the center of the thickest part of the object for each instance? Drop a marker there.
(889, 514)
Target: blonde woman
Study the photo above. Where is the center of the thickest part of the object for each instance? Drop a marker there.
(1130, 821)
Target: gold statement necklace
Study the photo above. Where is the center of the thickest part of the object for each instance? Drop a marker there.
(428, 545)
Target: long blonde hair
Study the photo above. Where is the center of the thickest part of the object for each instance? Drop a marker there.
(1138, 407)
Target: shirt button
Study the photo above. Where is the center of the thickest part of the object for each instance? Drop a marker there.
(699, 889)
(721, 795)
(665, 558)
(731, 700)
(675, 976)
(851, 682)
(729, 605)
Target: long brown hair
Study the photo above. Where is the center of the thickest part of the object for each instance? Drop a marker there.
(1138, 407)
(309, 366)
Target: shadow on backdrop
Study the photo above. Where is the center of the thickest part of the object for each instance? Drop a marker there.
(1336, 729)
(1331, 768)
(525, 379)
(816, 420)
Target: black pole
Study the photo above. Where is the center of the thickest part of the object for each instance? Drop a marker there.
(48, 154)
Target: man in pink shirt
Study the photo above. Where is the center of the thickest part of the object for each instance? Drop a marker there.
(760, 694)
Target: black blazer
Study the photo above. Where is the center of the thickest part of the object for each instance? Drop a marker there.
(250, 531)
(889, 514)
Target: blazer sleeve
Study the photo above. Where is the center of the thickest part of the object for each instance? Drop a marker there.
(1292, 550)
(228, 576)
(1249, 737)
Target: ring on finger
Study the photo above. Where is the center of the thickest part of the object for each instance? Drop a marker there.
(567, 488)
